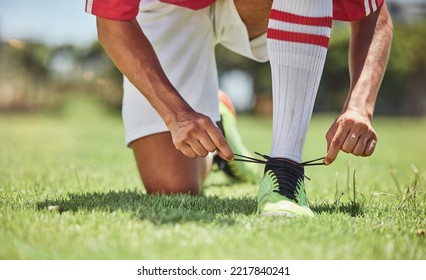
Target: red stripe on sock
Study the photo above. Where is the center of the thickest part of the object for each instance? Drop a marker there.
(302, 38)
(298, 19)
(370, 3)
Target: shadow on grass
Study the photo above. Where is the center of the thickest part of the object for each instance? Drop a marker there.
(354, 209)
(158, 209)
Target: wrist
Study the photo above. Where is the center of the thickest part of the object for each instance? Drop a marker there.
(362, 111)
(360, 103)
(174, 113)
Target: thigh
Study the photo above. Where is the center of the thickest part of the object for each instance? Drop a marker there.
(255, 15)
(241, 25)
(164, 169)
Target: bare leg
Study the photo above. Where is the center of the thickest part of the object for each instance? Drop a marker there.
(165, 170)
(255, 15)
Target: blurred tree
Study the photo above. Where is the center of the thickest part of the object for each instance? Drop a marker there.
(404, 86)
(35, 76)
(100, 75)
(24, 75)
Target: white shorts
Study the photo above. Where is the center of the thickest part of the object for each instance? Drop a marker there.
(184, 41)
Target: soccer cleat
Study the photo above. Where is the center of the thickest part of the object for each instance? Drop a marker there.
(282, 193)
(240, 171)
(282, 188)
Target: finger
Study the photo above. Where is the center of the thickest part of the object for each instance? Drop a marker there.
(336, 144)
(187, 151)
(198, 148)
(350, 142)
(330, 134)
(223, 148)
(371, 146)
(360, 146)
(207, 143)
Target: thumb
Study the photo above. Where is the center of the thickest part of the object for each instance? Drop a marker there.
(330, 135)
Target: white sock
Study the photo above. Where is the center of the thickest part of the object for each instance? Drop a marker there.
(298, 35)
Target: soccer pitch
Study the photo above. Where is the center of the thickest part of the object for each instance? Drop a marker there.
(69, 189)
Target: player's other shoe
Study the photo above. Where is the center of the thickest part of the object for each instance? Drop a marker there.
(282, 190)
(240, 171)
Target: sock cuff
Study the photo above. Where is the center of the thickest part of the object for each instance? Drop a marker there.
(306, 22)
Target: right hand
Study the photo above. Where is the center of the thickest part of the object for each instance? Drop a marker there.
(195, 135)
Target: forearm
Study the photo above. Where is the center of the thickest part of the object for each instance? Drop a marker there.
(368, 57)
(132, 53)
(369, 49)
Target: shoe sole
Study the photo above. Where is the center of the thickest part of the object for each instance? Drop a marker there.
(287, 209)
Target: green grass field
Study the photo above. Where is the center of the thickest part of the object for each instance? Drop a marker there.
(367, 208)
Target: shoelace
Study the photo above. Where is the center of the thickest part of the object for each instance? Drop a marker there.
(288, 172)
(280, 163)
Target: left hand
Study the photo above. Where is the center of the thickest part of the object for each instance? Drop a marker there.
(353, 134)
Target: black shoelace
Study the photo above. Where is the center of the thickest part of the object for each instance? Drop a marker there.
(288, 172)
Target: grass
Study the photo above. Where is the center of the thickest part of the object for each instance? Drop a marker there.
(76, 161)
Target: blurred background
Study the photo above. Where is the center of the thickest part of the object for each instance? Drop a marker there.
(49, 53)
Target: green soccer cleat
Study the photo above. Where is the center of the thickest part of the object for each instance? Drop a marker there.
(240, 171)
(282, 190)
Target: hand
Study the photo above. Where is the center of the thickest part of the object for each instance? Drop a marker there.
(351, 133)
(195, 134)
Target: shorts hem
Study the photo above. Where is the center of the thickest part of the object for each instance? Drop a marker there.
(142, 132)
(136, 134)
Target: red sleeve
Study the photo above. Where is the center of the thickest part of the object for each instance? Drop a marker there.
(352, 10)
(113, 9)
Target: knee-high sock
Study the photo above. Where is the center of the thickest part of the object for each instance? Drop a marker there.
(298, 35)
